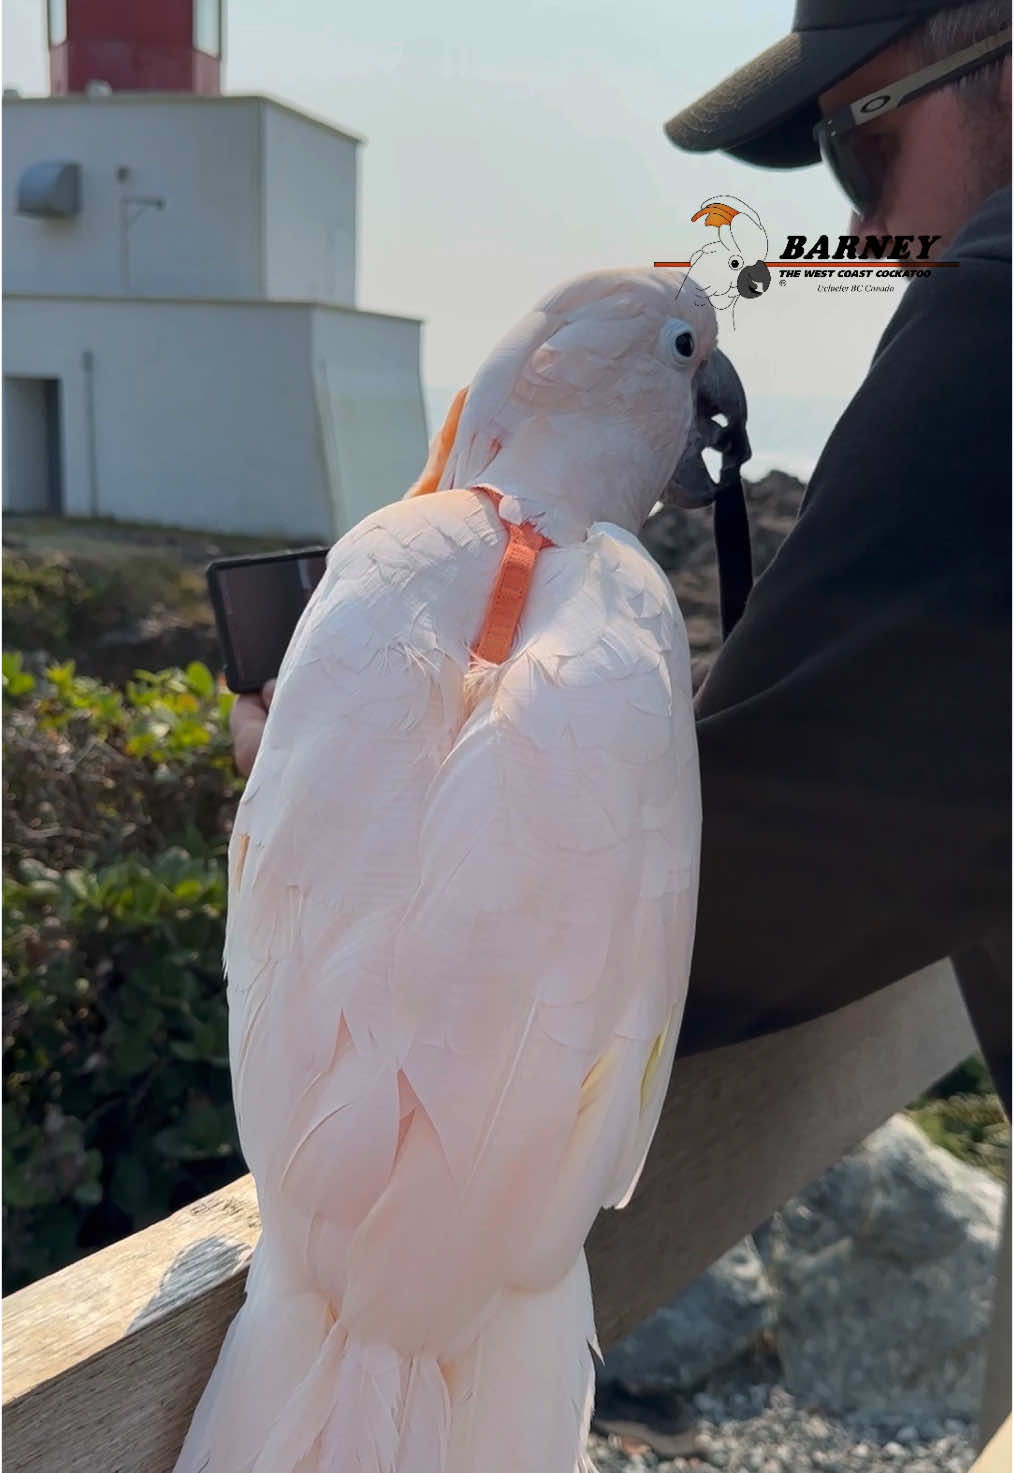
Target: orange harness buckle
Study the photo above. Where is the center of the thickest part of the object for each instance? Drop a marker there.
(513, 580)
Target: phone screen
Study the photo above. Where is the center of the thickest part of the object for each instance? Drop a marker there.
(258, 603)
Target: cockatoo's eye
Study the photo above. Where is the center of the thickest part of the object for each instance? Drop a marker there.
(678, 338)
(734, 263)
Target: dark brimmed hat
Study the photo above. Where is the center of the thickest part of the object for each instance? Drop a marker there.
(765, 113)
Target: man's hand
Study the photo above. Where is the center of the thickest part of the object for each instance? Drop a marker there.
(246, 724)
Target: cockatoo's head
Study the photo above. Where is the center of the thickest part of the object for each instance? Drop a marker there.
(731, 264)
(583, 412)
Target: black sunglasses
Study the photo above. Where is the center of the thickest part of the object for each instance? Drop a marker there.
(835, 135)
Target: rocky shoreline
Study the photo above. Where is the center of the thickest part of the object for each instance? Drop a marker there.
(682, 543)
(743, 1425)
(845, 1335)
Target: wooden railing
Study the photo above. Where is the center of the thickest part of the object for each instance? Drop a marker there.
(105, 1360)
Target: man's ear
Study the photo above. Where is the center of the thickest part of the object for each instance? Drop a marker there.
(440, 449)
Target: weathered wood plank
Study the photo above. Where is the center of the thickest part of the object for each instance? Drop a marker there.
(105, 1361)
(996, 1456)
(745, 1128)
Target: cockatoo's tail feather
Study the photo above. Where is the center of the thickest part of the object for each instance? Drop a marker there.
(461, 913)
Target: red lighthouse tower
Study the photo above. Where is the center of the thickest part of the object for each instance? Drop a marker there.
(135, 45)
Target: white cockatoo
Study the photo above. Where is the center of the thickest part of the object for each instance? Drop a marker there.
(461, 910)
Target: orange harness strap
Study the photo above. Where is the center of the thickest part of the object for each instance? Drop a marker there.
(513, 580)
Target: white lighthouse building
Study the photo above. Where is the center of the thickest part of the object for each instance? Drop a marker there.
(181, 340)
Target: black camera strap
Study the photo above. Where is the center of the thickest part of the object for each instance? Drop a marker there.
(732, 549)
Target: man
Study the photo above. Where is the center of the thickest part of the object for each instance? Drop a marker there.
(854, 732)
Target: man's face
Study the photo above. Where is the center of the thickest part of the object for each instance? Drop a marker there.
(925, 155)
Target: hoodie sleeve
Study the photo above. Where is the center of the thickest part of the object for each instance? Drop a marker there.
(854, 733)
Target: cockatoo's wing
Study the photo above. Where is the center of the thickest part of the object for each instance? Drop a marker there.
(541, 967)
(324, 852)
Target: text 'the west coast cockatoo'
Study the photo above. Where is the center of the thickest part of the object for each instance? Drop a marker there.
(462, 887)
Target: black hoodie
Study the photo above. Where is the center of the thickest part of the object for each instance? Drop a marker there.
(855, 730)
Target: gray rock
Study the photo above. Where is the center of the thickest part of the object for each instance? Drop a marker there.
(707, 1405)
(883, 1271)
(788, 1436)
(718, 1318)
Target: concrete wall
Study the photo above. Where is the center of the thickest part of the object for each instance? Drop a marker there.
(202, 159)
(203, 413)
(369, 396)
(258, 200)
(211, 415)
(309, 210)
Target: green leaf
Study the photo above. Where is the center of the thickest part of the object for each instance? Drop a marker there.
(201, 679)
(16, 680)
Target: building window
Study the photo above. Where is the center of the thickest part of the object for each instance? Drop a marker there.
(57, 22)
(208, 26)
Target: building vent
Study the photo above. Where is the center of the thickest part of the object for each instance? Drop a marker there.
(50, 190)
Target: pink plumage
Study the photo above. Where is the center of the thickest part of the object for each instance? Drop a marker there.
(461, 913)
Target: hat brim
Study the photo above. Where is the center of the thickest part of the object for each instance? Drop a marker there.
(765, 113)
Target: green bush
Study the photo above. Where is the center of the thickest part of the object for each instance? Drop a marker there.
(111, 595)
(93, 773)
(971, 1126)
(69, 606)
(43, 603)
(110, 608)
(971, 1077)
(117, 1101)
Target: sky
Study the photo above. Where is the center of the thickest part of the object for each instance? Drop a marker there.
(509, 148)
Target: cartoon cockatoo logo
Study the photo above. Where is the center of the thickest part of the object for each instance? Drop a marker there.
(731, 265)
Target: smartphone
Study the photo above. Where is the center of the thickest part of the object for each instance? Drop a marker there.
(257, 602)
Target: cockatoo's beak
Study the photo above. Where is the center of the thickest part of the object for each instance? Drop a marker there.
(717, 390)
(440, 449)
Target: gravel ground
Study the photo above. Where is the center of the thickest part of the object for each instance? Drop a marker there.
(743, 1424)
